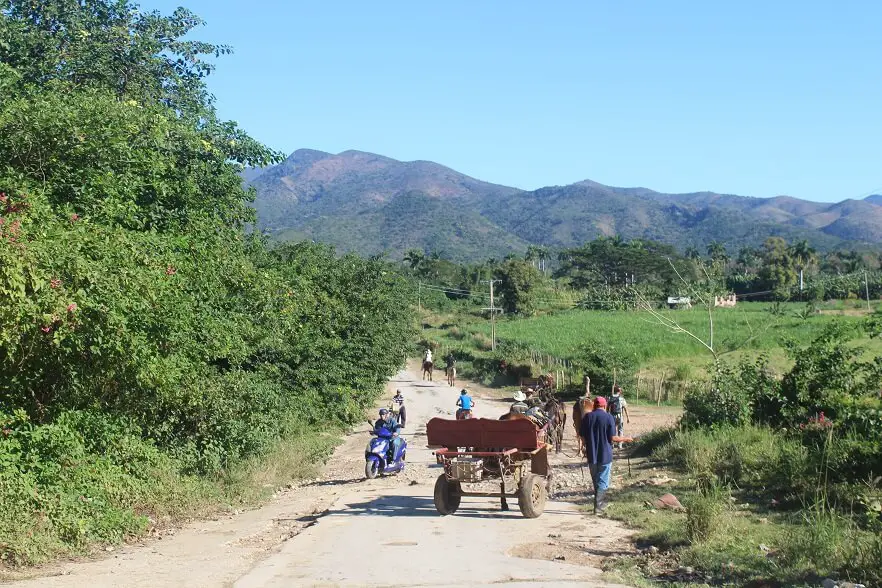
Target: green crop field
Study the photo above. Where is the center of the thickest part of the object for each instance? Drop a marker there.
(746, 330)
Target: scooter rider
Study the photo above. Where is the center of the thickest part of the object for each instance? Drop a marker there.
(465, 404)
(387, 421)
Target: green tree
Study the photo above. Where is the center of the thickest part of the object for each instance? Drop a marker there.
(748, 259)
(128, 284)
(717, 252)
(692, 252)
(414, 258)
(543, 253)
(777, 273)
(517, 287)
(804, 256)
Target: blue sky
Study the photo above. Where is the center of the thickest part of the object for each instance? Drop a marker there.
(753, 98)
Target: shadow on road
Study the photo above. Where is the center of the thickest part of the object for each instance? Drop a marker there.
(423, 506)
(341, 482)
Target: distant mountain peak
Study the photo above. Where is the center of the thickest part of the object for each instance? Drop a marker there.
(369, 203)
(307, 156)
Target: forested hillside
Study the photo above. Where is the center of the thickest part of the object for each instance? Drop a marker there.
(148, 345)
(373, 204)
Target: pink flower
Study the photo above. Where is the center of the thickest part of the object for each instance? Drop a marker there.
(45, 329)
(170, 271)
(71, 307)
(54, 283)
(74, 217)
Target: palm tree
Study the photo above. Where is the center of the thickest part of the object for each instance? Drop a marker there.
(543, 254)
(692, 252)
(717, 251)
(414, 257)
(532, 255)
(748, 257)
(804, 256)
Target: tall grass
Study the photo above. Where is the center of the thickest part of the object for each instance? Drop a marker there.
(807, 539)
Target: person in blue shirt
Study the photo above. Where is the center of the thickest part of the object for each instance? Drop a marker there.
(598, 430)
(465, 404)
(387, 421)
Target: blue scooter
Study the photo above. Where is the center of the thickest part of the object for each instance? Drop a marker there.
(378, 458)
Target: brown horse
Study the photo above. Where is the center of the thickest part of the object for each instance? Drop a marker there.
(581, 407)
(428, 368)
(451, 376)
(557, 417)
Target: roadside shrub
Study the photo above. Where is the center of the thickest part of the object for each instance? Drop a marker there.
(823, 543)
(650, 443)
(604, 364)
(704, 512)
(682, 372)
(82, 479)
(742, 456)
(482, 342)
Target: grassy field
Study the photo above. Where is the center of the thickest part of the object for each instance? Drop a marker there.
(746, 330)
(735, 533)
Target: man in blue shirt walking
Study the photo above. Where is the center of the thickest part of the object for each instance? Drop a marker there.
(598, 429)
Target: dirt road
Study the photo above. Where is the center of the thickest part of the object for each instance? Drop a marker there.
(342, 530)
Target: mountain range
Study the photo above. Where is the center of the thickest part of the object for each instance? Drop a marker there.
(373, 204)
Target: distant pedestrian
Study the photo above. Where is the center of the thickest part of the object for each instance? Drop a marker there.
(618, 408)
(398, 399)
(598, 431)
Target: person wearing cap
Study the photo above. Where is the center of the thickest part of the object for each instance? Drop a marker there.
(387, 421)
(598, 431)
(531, 400)
(465, 404)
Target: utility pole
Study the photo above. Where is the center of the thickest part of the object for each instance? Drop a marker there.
(867, 290)
(492, 310)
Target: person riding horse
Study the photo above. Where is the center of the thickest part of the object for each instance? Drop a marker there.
(428, 365)
(450, 369)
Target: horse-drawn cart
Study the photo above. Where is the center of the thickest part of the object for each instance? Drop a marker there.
(474, 451)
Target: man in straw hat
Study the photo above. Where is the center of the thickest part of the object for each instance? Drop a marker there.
(519, 404)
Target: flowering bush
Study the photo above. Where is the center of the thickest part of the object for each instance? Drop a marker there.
(818, 422)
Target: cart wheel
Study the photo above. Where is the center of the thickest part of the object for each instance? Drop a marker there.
(532, 496)
(447, 495)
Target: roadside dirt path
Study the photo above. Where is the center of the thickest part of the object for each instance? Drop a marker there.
(342, 530)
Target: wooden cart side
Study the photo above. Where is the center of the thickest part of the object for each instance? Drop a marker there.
(484, 434)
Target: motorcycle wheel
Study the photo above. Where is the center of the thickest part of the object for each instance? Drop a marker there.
(371, 469)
